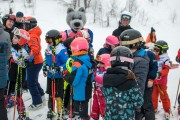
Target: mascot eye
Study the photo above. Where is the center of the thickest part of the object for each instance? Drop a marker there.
(73, 18)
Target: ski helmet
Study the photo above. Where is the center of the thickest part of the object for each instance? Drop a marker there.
(84, 34)
(126, 15)
(122, 56)
(24, 37)
(162, 45)
(79, 46)
(30, 22)
(8, 16)
(53, 36)
(105, 59)
(132, 39)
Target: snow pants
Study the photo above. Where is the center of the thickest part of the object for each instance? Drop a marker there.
(98, 106)
(162, 91)
(3, 111)
(34, 87)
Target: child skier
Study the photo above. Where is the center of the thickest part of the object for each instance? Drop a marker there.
(98, 106)
(178, 56)
(120, 89)
(56, 57)
(80, 77)
(110, 43)
(17, 72)
(160, 83)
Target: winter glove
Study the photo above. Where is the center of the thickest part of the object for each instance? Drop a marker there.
(158, 75)
(16, 31)
(29, 58)
(21, 63)
(45, 67)
(150, 83)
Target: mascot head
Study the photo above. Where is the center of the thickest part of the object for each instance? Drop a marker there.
(76, 19)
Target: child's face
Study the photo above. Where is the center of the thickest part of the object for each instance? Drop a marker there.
(49, 41)
(100, 64)
(156, 50)
(9, 23)
(15, 40)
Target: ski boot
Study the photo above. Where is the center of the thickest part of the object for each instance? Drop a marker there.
(179, 110)
(50, 114)
(167, 115)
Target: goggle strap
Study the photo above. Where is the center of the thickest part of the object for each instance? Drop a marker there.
(122, 59)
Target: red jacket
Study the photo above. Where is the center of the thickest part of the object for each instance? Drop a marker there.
(35, 44)
(178, 55)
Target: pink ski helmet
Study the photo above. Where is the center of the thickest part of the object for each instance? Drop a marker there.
(112, 40)
(105, 59)
(79, 44)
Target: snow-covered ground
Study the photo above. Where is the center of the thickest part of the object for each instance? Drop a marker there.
(51, 15)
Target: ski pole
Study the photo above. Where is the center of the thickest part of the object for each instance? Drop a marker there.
(71, 90)
(177, 94)
(16, 87)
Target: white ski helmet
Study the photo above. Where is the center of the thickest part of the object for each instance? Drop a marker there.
(126, 15)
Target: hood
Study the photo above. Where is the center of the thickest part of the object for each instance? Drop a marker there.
(85, 59)
(1, 28)
(37, 30)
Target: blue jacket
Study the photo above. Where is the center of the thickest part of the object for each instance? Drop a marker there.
(80, 79)
(61, 57)
(5, 50)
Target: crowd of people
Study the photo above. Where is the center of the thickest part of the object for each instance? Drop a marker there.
(126, 77)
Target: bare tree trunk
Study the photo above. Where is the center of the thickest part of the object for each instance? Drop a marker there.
(78, 3)
(74, 3)
(85, 4)
(88, 4)
(108, 21)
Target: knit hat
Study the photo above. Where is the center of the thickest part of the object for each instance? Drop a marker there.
(19, 14)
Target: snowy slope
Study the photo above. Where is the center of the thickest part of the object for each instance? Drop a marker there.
(51, 15)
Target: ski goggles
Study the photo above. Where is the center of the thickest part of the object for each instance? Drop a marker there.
(126, 17)
(12, 17)
(49, 40)
(122, 59)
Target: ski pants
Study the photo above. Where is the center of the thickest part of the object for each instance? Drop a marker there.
(81, 108)
(98, 106)
(147, 108)
(162, 91)
(3, 111)
(34, 87)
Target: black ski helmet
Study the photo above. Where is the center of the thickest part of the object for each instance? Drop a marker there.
(122, 56)
(131, 38)
(8, 16)
(162, 45)
(30, 22)
(54, 35)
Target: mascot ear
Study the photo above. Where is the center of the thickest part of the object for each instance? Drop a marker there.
(70, 10)
(81, 9)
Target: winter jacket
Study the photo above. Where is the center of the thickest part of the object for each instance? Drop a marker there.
(103, 51)
(35, 44)
(153, 67)
(141, 67)
(18, 25)
(10, 32)
(71, 33)
(117, 32)
(178, 56)
(61, 57)
(151, 38)
(81, 78)
(163, 69)
(5, 51)
(122, 95)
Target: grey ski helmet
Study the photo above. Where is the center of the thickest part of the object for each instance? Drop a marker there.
(122, 56)
(131, 38)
